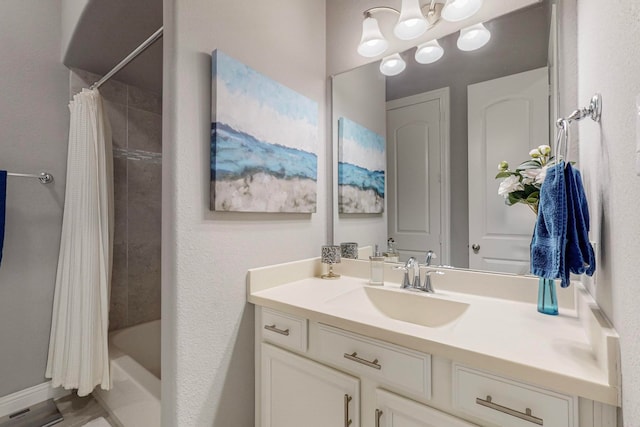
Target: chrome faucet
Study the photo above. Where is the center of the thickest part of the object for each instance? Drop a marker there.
(411, 279)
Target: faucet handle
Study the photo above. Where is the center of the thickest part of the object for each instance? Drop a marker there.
(427, 279)
(405, 280)
(409, 266)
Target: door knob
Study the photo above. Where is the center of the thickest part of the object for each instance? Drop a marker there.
(476, 248)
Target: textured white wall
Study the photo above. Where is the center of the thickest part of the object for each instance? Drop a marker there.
(609, 63)
(360, 96)
(34, 119)
(208, 328)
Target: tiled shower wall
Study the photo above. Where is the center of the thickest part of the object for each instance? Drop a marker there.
(136, 125)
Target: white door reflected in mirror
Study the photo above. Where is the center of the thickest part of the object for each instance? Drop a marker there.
(507, 117)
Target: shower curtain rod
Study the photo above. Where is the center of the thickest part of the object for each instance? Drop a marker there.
(145, 44)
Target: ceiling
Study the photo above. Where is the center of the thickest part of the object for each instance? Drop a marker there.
(108, 31)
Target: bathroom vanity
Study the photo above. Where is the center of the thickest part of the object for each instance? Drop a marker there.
(475, 353)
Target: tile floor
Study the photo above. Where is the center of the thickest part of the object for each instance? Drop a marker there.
(78, 411)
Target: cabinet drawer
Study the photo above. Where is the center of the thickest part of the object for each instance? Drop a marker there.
(284, 329)
(508, 403)
(398, 367)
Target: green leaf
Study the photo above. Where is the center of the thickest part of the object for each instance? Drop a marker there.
(530, 164)
(504, 174)
(513, 198)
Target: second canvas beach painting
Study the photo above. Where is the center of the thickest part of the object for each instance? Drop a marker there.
(264, 138)
(361, 168)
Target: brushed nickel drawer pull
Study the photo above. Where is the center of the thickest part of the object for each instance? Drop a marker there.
(526, 415)
(378, 415)
(347, 420)
(354, 356)
(273, 328)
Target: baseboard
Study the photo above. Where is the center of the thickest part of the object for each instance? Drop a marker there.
(30, 396)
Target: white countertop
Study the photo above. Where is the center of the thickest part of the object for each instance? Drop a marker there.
(503, 336)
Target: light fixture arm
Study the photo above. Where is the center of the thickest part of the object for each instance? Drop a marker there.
(367, 13)
(431, 11)
(434, 12)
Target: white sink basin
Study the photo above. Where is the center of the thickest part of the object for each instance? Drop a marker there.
(413, 307)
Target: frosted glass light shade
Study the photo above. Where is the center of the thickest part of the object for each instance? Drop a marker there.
(392, 65)
(412, 22)
(474, 37)
(429, 52)
(372, 42)
(457, 10)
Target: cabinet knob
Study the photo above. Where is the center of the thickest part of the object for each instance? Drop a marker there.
(476, 248)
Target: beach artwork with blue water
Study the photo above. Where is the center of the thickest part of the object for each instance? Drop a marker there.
(361, 166)
(263, 142)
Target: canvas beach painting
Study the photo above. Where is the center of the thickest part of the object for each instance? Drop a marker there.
(264, 139)
(361, 168)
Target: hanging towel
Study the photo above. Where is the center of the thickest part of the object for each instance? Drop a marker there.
(3, 208)
(580, 258)
(550, 233)
(560, 243)
(78, 354)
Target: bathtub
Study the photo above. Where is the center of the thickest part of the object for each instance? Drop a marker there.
(134, 398)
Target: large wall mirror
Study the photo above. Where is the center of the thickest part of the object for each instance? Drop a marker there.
(447, 126)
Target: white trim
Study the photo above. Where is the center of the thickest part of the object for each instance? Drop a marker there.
(442, 95)
(29, 396)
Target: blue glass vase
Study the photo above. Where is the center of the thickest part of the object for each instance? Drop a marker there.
(547, 299)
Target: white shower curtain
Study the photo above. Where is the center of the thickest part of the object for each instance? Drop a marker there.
(78, 353)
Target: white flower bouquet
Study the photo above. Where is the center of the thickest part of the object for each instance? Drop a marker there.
(523, 184)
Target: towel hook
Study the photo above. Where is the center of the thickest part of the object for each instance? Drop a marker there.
(563, 137)
(593, 111)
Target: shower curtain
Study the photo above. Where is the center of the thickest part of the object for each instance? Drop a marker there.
(78, 353)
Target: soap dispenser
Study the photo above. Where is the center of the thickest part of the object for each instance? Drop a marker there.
(377, 268)
(391, 254)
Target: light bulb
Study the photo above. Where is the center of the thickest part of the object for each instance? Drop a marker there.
(457, 10)
(372, 42)
(474, 37)
(392, 65)
(429, 52)
(412, 22)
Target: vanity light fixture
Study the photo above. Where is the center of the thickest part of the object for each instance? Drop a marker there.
(429, 52)
(413, 22)
(372, 42)
(458, 10)
(392, 65)
(474, 37)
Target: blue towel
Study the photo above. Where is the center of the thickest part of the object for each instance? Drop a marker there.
(550, 233)
(3, 207)
(580, 258)
(560, 243)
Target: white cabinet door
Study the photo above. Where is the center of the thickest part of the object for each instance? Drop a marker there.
(297, 392)
(396, 411)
